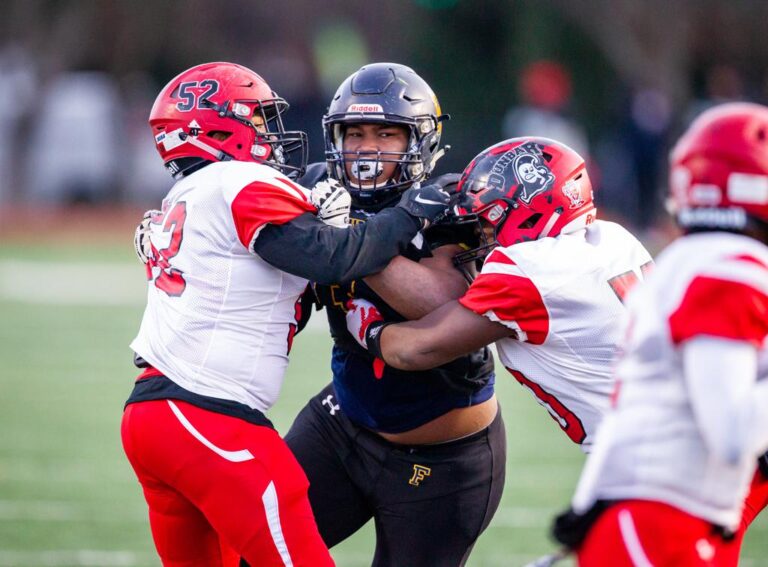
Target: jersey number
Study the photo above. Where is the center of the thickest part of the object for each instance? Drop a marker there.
(193, 93)
(566, 419)
(168, 279)
(622, 283)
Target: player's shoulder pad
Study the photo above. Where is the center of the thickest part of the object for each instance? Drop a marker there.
(237, 175)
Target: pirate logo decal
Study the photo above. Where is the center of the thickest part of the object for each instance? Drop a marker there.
(532, 175)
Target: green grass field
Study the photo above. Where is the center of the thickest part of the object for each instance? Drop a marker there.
(69, 497)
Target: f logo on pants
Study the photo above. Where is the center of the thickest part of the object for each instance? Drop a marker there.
(419, 473)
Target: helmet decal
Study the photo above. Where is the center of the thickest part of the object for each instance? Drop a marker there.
(530, 171)
(377, 108)
(572, 190)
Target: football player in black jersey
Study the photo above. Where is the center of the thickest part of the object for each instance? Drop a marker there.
(422, 453)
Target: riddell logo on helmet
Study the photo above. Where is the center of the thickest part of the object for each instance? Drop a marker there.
(366, 108)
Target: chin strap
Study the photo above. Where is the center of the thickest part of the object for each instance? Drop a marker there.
(438, 154)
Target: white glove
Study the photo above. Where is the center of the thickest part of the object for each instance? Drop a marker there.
(332, 202)
(141, 241)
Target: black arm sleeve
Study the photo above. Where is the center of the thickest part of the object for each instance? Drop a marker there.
(308, 248)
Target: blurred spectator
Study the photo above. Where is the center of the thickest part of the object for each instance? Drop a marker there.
(650, 116)
(722, 83)
(75, 141)
(545, 90)
(17, 86)
(143, 174)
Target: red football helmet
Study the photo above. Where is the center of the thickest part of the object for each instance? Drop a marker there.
(524, 189)
(719, 169)
(219, 112)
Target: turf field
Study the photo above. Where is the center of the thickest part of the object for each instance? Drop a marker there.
(69, 497)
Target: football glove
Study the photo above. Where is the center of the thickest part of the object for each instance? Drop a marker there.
(332, 201)
(141, 241)
(428, 203)
(365, 323)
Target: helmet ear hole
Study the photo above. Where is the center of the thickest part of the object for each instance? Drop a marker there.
(219, 135)
(531, 221)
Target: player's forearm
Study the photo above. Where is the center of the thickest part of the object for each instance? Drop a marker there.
(758, 419)
(406, 348)
(414, 289)
(325, 254)
(728, 404)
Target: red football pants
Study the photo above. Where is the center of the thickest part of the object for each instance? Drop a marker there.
(637, 533)
(757, 499)
(219, 487)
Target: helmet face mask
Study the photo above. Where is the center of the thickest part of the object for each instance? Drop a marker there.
(524, 189)
(384, 94)
(221, 112)
(719, 171)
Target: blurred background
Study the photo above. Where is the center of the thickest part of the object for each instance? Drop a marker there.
(616, 79)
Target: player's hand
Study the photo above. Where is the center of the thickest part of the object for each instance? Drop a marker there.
(332, 201)
(363, 320)
(428, 203)
(141, 241)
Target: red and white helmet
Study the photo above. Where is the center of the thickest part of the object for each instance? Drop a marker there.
(719, 169)
(219, 112)
(526, 188)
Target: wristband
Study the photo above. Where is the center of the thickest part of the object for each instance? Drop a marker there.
(373, 338)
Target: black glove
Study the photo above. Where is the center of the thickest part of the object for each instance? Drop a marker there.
(571, 529)
(428, 203)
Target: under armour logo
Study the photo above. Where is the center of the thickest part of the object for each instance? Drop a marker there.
(419, 473)
(332, 408)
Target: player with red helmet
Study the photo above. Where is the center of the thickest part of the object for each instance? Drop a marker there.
(550, 291)
(229, 257)
(674, 457)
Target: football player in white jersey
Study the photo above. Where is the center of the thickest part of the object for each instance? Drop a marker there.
(675, 456)
(230, 255)
(550, 291)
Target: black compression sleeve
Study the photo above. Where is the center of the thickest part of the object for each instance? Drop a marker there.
(327, 255)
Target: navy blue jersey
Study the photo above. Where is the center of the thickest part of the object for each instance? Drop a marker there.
(394, 400)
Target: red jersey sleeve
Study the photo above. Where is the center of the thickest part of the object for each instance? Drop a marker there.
(721, 308)
(261, 203)
(504, 294)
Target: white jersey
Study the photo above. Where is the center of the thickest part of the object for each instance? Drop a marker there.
(650, 446)
(219, 319)
(563, 298)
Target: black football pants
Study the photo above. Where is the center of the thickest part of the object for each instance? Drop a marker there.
(429, 502)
